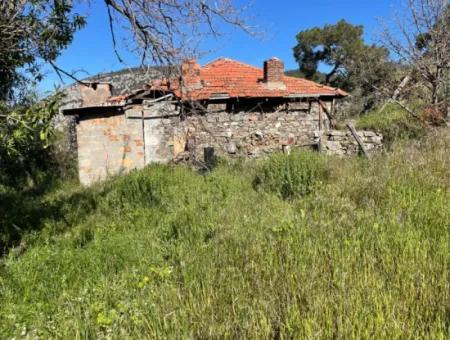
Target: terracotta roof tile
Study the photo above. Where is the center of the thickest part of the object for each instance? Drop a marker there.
(235, 79)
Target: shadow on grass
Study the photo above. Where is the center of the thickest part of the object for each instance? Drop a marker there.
(24, 211)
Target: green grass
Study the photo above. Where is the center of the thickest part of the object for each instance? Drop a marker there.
(393, 122)
(292, 176)
(362, 252)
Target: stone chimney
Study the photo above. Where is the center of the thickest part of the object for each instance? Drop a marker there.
(190, 71)
(94, 94)
(274, 73)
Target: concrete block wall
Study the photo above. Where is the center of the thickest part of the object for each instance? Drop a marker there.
(108, 144)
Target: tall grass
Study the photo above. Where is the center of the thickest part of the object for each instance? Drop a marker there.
(393, 122)
(291, 176)
(168, 253)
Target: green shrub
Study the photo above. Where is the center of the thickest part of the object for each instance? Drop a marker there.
(393, 122)
(291, 176)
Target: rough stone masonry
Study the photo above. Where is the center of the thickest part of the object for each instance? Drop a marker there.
(115, 143)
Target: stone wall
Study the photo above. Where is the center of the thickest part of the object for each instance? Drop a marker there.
(253, 134)
(243, 134)
(338, 142)
(257, 134)
(240, 134)
(108, 144)
(114, 143)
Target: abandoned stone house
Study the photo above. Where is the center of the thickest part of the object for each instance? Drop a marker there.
(237, 109)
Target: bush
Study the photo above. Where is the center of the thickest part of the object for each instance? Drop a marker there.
(291, 176)
(393, 122)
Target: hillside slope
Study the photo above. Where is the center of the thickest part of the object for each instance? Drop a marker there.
(298, 246)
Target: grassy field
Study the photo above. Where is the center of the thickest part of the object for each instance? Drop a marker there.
(300, 246)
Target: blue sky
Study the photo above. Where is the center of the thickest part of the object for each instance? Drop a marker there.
(281, 20)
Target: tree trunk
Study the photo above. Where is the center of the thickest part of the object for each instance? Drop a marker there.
(400, 88)
(332, 73)
(434, 94)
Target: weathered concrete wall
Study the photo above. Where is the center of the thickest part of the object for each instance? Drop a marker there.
(122, 82)
(160, 124)
(108, 144)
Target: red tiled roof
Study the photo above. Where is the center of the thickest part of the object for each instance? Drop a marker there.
(226, 77)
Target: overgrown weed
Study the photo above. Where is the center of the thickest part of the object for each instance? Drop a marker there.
(167, 253)
(394, 123)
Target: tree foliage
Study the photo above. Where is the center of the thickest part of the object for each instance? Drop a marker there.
(332, 45)
(340, 47)
(353, 65)
(32, 32)
(25, 135)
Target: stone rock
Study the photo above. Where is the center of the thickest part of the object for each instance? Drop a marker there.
(223, 117)
(238, 117)
(336, 133)
(368, 134)
(258, 135)
(231, 148)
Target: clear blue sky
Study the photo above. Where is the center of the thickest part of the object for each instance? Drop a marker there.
(280, 19)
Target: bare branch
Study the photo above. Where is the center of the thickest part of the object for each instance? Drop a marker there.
(167, 31)
(423, 42)
(60, 71)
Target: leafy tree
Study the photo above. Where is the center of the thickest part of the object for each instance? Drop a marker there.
(353, 65)
(342, 48)
(332, 45)
(26, 134)
(32, 32)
